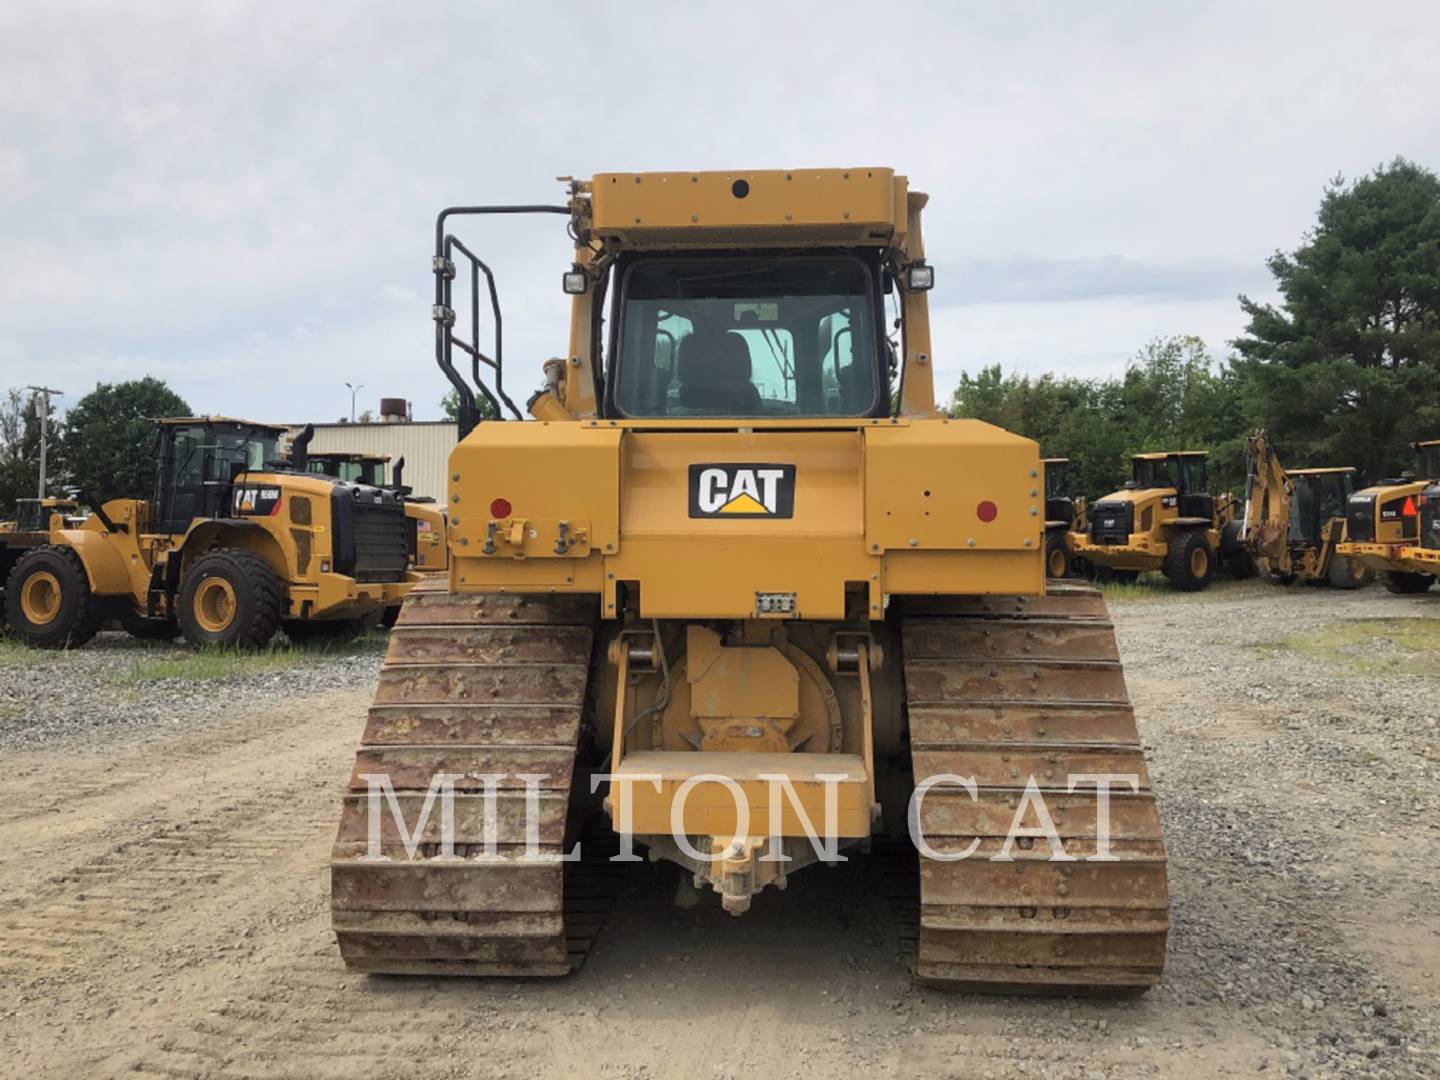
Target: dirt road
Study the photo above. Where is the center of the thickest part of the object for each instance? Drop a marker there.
(163, 901)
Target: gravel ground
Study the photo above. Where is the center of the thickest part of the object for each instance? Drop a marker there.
(165, 907)
(117, 687)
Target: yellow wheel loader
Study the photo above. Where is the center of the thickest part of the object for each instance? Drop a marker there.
(740, 580)
(1164, 520)
(424, 518)
(1382, 527)
(1295, 520)
(232, 547)
(1065, 519)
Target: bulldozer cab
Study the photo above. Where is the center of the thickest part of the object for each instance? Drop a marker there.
(197, 460)
(1185, 472)
(748, 337)
(1320, 495)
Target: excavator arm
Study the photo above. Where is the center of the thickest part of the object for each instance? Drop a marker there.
(1268, 491)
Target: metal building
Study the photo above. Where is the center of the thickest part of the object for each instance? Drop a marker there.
(425, 445)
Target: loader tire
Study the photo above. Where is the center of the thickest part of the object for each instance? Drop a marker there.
(1189, 562)
(1407, 584)
(230, 599)
(48, 602)
(1346, 573)
(146, 629)
(1057, 556)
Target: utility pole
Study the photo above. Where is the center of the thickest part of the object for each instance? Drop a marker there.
(42, 413)
(353, 391)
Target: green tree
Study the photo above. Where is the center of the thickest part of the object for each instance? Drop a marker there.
(1173, 396)
(20, 450)
(1347, 370)
(108, 437)
(450, 406)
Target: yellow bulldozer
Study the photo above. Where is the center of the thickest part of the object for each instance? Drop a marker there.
(741, 579)
(232, 546)
(1165, 519)
(1294, 520)
(1383, 526)
(424, 518)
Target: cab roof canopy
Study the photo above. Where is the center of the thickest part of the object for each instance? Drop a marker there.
(219, 421)
(1165, 454)
(1055, 461)
(864, 206)
(1321, 472)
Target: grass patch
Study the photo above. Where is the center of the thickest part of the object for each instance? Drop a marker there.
(214, 665)
(1371, 646)
(13, 652)
(1145, 587)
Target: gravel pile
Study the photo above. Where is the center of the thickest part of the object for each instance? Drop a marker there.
(117, 686)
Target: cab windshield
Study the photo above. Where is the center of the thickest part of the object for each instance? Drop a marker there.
(1056, 480)
(214, 455)
(1429, 462)
(1156, 473)
(353, 472)
(742, 338)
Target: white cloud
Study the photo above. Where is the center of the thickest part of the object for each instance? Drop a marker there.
(241, 197)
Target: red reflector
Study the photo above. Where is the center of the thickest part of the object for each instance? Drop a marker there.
(500, 508)
(1409, 508)
(986, 511)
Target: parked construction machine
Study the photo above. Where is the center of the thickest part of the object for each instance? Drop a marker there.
(424, 517)
(1065, 518)
(1382, 526)
(1295, 520)
(232, 546)
(739, 554)
(1165, 519)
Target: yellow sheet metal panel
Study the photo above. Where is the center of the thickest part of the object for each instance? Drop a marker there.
(545, 473)
(951, 484)
(719, 209)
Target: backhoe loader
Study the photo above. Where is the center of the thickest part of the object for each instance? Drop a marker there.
(1295, 520)
(1065, 519)
(1163, 520)
(424, 518)
(233, 546)
(1382, 526)
(741, 579)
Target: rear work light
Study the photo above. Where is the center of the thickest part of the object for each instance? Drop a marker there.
(919, 277)
(574, 282)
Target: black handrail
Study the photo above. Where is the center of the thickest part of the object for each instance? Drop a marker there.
(444, 314)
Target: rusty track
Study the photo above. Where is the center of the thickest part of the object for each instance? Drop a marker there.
(1003, 689)
(487, 684)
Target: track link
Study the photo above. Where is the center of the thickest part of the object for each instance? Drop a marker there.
(473, 684)
(1003, 689)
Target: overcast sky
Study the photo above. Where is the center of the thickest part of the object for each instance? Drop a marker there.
(239, 198)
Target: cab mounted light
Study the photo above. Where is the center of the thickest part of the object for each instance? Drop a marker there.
(919, 277)
(574, 282)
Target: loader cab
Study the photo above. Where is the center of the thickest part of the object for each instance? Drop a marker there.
(1184, 472)
(197, 460)
(768, 335)
(1428, 454)
(353, 468)
(1320, 495)
(33, 515)
(1059, 502)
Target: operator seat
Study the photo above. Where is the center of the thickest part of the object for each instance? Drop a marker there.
(714, 370)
